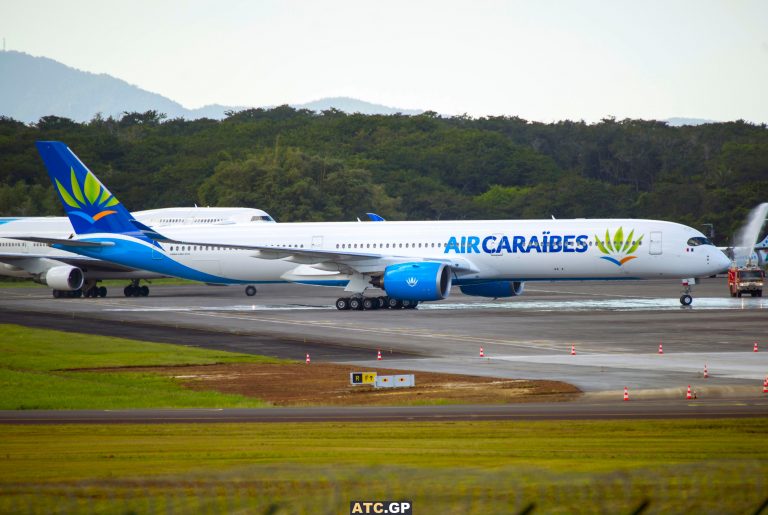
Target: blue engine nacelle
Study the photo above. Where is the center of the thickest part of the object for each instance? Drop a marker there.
(417, 281)
(495, 289)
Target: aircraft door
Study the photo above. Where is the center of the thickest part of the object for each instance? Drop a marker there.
(655, 246)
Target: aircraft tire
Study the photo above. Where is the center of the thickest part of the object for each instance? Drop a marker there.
(394, 303)
(56, 294)
(382, 302)
(102, 291)
(356, 303)
(342, 303)
(250, 290)
(144, 291)
(370, 303)
(128, 291)
(686, 300)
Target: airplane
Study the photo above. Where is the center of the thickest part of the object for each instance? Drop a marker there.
(411, 262)
(73, 275)
(743, 256)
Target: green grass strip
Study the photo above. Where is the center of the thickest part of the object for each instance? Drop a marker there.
(574, 447)
(36, 372)
(678, 466)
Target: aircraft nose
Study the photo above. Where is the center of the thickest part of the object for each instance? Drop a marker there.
(720, 260)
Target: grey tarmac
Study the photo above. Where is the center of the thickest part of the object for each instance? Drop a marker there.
(653, 409)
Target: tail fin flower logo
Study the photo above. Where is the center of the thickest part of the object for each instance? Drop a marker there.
(90, 201)
(618, 248)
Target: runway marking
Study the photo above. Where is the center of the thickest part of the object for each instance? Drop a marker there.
(590, 294)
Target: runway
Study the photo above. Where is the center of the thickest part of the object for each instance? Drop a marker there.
(615, 327)
(704, 409)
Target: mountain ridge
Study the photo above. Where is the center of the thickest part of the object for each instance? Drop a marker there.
(42, 86)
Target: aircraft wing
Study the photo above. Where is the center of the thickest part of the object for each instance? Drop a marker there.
(92, 264)
(364, 262)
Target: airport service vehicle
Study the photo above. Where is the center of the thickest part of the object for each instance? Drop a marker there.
(746, 279)
(411, 262)
(73, 275)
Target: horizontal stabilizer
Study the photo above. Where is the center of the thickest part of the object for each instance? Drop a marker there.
(149, 232)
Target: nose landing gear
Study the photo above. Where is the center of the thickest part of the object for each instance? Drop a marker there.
(686, 299)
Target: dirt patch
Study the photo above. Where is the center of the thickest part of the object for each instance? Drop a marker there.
(328, 384)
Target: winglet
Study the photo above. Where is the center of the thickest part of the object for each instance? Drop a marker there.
(89, 205)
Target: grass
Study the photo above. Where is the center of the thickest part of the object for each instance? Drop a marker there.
(36, 372)
(474, 467)
(693, 466)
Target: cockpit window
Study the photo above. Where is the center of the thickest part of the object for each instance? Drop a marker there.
(698, 240)
(262, 218)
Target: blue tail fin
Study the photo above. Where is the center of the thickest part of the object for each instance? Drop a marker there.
(89, 205)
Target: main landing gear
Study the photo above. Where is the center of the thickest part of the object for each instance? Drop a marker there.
(134, 290)
(87, 291)
(360, 303)
(67, 294)
(95, 291)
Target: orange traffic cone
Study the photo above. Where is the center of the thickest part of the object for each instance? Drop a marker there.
(755, 348)
(661, 349)
(626, 394)
(706, 374)
(688, 395)
(378, 355)
(482, 354)
(573, 350)
(307, 358)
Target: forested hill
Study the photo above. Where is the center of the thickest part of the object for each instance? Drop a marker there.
(300, 165)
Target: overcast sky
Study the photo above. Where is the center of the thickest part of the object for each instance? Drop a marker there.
(541, 60)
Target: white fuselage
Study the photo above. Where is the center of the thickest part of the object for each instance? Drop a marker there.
(512, 250)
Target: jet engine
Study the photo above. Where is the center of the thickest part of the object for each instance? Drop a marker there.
(65, 278)
(495, 289)
(416, 281)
